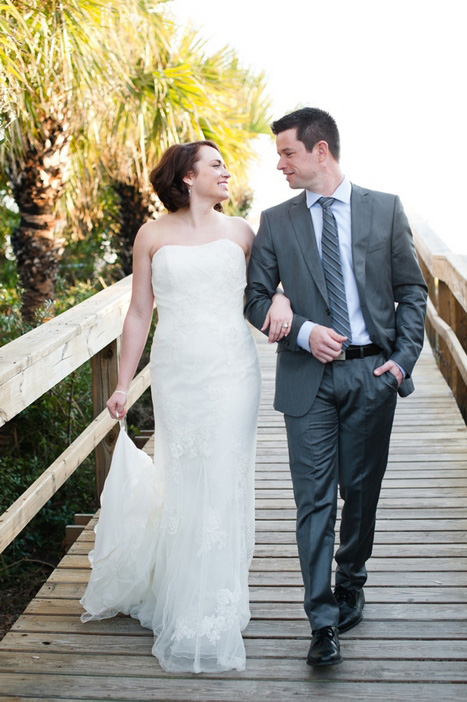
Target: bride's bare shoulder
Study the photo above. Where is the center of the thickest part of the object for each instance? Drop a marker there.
(151, 234)
(241, 232)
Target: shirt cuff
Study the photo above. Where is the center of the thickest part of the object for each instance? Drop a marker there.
(404, 374)
(303, 337)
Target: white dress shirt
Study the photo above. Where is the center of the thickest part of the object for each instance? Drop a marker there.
(342, 212)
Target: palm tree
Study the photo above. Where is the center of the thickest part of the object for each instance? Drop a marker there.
(176, 93)
(40, 76)
(58, 58)
(97, 91)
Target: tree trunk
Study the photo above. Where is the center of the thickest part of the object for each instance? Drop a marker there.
(136, 208)
(37, 179)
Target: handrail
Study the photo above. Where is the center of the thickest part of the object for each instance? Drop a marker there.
(38, 360)
(446, 323)
(32, 364)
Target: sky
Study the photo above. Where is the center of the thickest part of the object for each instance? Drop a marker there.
(392, 74)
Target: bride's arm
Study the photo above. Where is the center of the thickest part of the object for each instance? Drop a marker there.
(136, 325)
(278, 318)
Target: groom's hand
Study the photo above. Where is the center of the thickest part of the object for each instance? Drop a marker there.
(390, 367)
(325, 343)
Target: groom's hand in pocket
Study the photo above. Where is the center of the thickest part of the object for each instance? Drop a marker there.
(390, 367)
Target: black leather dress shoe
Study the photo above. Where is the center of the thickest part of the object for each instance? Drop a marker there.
(351, 604)
(325, 648)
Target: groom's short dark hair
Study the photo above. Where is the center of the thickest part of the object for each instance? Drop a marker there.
(312, 125)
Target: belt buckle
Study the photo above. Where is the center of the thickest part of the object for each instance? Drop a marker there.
(341, 356)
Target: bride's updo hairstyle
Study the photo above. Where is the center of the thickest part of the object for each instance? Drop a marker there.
(167, 177)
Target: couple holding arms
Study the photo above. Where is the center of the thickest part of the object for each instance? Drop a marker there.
(349, 328)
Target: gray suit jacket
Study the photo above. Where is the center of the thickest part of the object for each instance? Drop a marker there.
(386, 271)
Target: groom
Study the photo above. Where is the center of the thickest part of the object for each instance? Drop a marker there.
(345, 258)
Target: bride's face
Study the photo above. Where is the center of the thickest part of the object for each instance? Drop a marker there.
(210, 178)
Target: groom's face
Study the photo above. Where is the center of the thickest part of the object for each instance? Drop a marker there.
(300, 167)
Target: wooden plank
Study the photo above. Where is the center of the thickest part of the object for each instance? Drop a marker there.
(145, 667)
(281, 513)
(287, 610)
(387, 649)
(266, 563)
(412, 467)
(433, 551)
(410, 452)
(287, 536)
(395, 549)
(417, 437)
(375, 564)
(142, 689)
(385, 578)
(283, 593)
(414, 494)
(443, 485)
(384, 503)
(53, 625)
(406, 454)
(367, 630)
(429, 527)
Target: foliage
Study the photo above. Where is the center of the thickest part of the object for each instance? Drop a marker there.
(91, 93)
(29, 443)
(177, 92)
(32, 441)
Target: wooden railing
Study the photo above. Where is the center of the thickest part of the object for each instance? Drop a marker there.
(32, 364)
(446, 325)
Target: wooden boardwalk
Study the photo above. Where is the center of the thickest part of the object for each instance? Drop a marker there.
(412, 644)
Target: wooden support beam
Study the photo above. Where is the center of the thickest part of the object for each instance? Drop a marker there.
(104, 381)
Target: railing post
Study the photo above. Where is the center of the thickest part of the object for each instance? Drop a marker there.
(459, 326)
(433, 295)
(104, 381)
(445, 312)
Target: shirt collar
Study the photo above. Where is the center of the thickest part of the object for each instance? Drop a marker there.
(342, 193)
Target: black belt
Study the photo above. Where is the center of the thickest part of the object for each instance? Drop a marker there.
(358, 352)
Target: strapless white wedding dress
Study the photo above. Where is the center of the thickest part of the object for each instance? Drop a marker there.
(175, 536)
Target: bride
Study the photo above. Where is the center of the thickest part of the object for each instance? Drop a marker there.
(175, 537)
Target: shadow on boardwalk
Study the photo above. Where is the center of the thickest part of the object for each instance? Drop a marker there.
(412, 644)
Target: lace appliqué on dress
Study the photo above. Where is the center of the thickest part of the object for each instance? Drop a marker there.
(224, 617)
(169, 522)
(245, 502)
(213, 535)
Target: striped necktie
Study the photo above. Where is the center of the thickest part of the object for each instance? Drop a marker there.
(331, 261)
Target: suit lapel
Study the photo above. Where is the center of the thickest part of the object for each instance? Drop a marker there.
(361, 226)
(304, 231)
